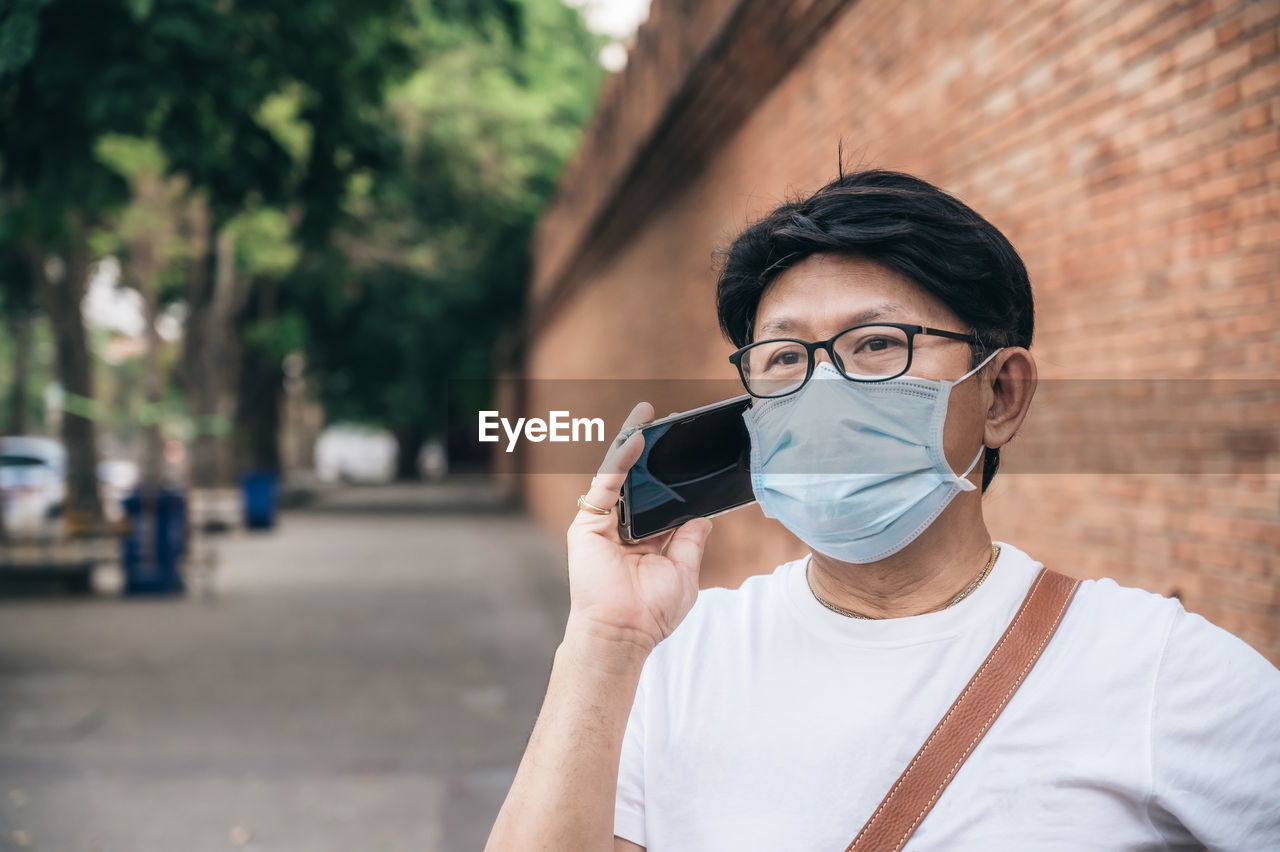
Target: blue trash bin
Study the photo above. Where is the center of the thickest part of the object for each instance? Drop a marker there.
(260, 499)
(151, 553)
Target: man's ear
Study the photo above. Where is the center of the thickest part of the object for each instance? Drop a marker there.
(1013, 378)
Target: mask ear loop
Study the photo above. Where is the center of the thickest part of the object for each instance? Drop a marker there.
(963, 482)
(985, 362)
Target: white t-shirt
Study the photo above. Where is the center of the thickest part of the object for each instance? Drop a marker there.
(767, 722)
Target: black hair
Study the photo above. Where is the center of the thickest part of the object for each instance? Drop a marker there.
(904, 223)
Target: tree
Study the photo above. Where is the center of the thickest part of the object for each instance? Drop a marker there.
(298, 111)
(435, 252)
(57, 96)
(288, 114)
(193, 75)
(17, 305)
(147, 236)
(268, 107)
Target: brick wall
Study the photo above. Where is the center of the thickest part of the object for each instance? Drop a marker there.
(1131, 152)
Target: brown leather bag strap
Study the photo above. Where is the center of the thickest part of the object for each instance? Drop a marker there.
(970, 717)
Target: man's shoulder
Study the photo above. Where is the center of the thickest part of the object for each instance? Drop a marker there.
(1127, 618)
(1114, 599)
(1120, 621)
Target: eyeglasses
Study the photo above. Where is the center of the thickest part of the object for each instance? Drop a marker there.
(874, 352)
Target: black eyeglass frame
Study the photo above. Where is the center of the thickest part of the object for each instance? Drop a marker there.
(811, 348)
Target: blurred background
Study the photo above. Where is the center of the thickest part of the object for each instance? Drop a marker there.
(261, 263)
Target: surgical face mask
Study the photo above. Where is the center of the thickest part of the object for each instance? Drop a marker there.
(856, 470)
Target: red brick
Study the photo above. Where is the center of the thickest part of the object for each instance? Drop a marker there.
(1260, 13)
(1256, 147)
(1193, 49)
(1201, 12)
(1265, 78)
(1226, 33)
(1227, 62)
(1227, 96)
(1258, 116)
(1263, 46)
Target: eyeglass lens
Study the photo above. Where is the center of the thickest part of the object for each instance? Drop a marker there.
(873, 352)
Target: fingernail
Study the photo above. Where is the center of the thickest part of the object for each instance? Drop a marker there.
(626, 433)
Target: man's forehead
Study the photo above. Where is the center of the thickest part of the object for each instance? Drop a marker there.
(787, 320)
(843, 290)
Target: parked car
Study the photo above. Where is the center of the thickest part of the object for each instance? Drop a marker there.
(32, 487)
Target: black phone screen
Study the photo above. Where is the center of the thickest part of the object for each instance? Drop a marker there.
(692, 466)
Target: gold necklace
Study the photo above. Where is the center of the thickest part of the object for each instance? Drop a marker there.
(964, 593)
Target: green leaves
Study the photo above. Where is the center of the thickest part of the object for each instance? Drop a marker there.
(264, 243)
(437, 244)
(380, 164)
(130, 155)
(19, 28)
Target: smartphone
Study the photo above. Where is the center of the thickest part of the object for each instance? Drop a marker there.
(695, 464)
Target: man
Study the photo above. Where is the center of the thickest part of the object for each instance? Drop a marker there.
(883, 329)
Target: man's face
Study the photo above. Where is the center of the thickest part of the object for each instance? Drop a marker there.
(827, 293)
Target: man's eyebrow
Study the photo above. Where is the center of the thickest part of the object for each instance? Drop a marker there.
(778, 325)
(884, 310)
(784, 325)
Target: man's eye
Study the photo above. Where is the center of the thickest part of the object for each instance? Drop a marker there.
(785, 359)
(878, 344)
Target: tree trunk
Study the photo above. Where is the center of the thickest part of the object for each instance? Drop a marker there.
(210, 355)
(260, 404)
(258, 412)
(20, 330)
(63, 293)
(144, 272)
(409, 440)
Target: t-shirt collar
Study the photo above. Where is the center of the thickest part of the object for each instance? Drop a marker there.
(1007, 582)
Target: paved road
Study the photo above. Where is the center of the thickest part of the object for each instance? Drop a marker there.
(365, 678)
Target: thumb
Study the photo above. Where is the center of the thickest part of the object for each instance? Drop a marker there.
(688, 543)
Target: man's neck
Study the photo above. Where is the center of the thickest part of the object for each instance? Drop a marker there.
(922, 577)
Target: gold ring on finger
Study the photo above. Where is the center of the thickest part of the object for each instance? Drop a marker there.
(587, 505)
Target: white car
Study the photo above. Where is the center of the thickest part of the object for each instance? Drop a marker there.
(32, 488)
(357, 454)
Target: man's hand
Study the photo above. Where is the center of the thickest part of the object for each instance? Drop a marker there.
(629, 593)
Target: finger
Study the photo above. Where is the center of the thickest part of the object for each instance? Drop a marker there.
(607, 485)
(607, 482)
(642, 413)
(688, 544)
(616, 464)
(621, 457)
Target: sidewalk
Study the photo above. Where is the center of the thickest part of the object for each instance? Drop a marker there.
(364, 678)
